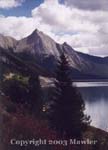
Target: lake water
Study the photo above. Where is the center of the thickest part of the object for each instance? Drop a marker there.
(95, 95)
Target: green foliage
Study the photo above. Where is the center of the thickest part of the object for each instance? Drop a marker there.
(23, 90)
(66, 113)
(15, 88)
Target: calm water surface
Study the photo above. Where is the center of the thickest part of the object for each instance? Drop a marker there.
(95, 95)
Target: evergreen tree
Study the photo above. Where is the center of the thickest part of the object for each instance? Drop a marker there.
(66, 112)
(35, 95)
(32, 94)
(25, 91)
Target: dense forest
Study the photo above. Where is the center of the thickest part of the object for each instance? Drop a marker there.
(51, 116)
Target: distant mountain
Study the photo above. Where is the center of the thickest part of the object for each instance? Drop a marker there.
(38, 48)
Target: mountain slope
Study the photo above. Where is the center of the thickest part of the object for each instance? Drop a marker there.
(7, 42)
(40, 49)
(38, 43)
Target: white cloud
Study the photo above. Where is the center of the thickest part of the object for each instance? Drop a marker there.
(88, 4)
(86, 31)
(10, 3)
(62, 18)
(17, 27)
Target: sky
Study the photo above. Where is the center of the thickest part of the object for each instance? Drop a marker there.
(81, 23)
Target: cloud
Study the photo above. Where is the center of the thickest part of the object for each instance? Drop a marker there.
(17, 27)
(84, 30)
(88, 4)
(6, 4)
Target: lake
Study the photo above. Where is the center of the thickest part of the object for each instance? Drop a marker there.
(95, 95)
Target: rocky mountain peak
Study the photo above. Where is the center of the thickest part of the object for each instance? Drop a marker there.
(38, 43)
(36, 33)
(46, 52)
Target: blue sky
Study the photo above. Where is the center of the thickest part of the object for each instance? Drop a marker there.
(23, 10)
(83, 25)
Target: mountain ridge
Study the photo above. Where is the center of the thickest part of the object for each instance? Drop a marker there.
(46, 52)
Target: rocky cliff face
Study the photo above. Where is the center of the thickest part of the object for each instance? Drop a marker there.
(46, 52)
(7, 42)
(38, 43)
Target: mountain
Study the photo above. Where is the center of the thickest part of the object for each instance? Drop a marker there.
(7, 42)
(38, 43)
(38, 48)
